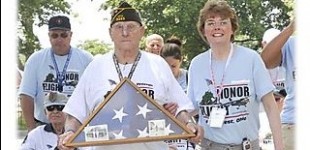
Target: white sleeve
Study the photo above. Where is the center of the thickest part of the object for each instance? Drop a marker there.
(30, 142)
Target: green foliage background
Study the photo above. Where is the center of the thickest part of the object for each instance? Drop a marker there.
(179, 18)
(164, 17)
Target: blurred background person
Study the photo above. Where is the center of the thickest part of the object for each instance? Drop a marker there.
(277, 74)
(172, 53)
(154, 43)
(281, 52)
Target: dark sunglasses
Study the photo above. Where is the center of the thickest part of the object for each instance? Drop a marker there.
(53, 107)
(56, 35)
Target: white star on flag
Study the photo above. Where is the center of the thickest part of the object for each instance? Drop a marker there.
(167, 130)
(119, 135)
(119, 114)
(143, 110)
(143, 133)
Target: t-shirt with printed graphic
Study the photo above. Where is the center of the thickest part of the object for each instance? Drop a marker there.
(40, 75)
(245, 80)
(288, 62)
(152, 75)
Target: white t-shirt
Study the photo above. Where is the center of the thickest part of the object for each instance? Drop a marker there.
(40, 138)
(152, 75)
(278, 77)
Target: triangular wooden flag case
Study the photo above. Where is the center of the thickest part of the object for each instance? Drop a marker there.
(128, 115)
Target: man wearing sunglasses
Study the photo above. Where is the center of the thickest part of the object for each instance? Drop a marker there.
(46, 136)
(57, 68)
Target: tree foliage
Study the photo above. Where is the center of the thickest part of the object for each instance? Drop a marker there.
(35, 12)
(164, 17)
(179, 18)
(95, 47)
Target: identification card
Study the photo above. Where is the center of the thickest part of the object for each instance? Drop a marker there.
(217, 117)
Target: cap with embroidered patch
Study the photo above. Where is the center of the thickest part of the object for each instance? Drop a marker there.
(55, 98)
(59, 23)
(125, 13)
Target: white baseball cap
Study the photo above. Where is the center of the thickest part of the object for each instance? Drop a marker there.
(55, 98)
(270, 34)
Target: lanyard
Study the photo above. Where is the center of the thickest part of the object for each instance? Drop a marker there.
(120, 75)
(61, 76)
(225, 69)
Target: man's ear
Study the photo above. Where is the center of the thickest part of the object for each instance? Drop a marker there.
(110, 33)
(142, 31)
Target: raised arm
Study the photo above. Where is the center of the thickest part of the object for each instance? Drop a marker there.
(271, 54)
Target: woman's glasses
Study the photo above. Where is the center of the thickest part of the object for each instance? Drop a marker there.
(56, 35)
(212, 23)
(53, 107)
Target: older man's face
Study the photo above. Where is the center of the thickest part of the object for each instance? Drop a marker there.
(155, 46)
(127, 34)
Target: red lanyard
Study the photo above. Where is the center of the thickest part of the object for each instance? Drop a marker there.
(218, 93)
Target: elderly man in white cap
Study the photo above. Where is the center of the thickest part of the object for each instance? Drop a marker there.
(277, 74)
(46, 136)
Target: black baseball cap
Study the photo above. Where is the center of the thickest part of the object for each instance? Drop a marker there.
(59, 23)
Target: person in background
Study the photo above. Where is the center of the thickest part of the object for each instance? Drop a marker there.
(171, 52)
(57, 68)
(227, 83)
(45, 137)
(281, 52)
(154, 43)
(277, 74)
(127, 60)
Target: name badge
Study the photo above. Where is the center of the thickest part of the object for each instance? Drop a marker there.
(217, 117)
